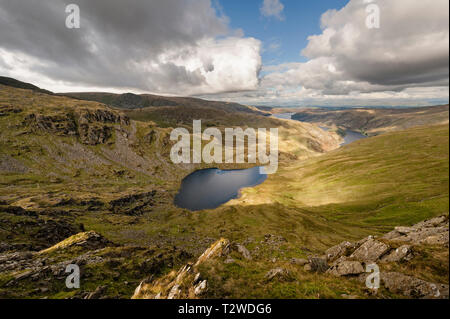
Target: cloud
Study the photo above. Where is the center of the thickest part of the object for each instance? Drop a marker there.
(407, 57)
(272, 8)
(174, 46)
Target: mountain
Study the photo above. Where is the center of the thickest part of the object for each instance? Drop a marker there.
(21, 85)
(83, 182)
(130, 101)
(376, 121)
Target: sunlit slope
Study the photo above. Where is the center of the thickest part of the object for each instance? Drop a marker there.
(393, 179)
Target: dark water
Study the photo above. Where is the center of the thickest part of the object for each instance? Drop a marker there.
(352, 136)
(284, 116)
(210, 188)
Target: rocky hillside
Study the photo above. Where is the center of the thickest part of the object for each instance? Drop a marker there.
(398, 254)
(411, 261)
(376, 121)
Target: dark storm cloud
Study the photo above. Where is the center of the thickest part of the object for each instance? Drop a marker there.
(116, 40)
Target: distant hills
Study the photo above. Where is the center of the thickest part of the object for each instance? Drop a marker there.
(148, 103)
(376, 121)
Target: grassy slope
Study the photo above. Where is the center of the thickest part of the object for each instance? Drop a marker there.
(377, 183)
(364, 188)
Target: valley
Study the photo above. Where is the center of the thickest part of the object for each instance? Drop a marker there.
(87, 178)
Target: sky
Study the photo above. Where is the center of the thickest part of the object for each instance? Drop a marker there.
(257, 52)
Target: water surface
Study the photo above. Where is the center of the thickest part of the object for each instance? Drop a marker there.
(352, 136)
(211, 188)
(284, 116)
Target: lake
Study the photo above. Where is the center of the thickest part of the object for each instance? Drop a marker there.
(284, 116)
(211, 188)
(352, 136)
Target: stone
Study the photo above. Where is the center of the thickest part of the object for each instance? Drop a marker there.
(274, 239)
(229, 261)
(196, 279)
(343, 249)
(404, 230)
(402, 253)
(299, 261)
(243, 251)
(370, 251)
(200, 288)
(174, 292)
(413, 287)
(392, 235)
(434, 222)
(347, 268)
(280, 273)
(439, 239)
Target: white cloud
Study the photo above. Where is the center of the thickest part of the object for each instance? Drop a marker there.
(186, 47)
(406, 59)
(272, 8)
(182, 47)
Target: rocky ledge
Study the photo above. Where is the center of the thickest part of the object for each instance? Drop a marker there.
(352, 259)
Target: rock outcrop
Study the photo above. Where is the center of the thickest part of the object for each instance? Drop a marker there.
(87, 240)
(92, 126)
(430, 232)
(413, 287)
(186, 283)
(350, 259)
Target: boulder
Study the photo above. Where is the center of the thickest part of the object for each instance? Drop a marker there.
(370, 251)
(430, 232)
(404, 252)
(243, 251)
(299, 261)
(343, 249)
(413, 287)
(438, 239)
(347, 268)
(279, 273)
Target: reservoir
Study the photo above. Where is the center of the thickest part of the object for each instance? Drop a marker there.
(211, 188)
(352, 136)
(284, 116)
